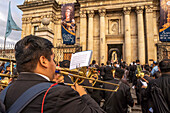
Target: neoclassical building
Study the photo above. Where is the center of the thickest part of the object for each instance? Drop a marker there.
(113, 29)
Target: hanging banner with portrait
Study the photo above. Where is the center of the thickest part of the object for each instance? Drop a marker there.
(164, 28)
(68, 23)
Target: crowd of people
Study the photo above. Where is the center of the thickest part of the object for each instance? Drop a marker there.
(36, 65)
(142, 78)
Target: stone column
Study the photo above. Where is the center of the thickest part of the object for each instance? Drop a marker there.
(149, 32)
(58, 40)
(141, 39)
(102, 13)
(28, 29)
(83, 30)
(127, 11)
(24, 25)
(90, 30)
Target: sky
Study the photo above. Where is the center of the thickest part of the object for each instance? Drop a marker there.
(17, 17)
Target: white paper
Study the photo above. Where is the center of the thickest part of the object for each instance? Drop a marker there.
(80, 59)
(144, 83)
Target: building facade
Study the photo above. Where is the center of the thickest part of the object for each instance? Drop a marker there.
(113, 29)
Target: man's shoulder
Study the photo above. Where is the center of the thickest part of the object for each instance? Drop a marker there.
(61, 89)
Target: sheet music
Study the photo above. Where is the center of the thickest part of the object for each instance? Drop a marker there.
(80, 59)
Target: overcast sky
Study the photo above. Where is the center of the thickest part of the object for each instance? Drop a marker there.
(17, 16)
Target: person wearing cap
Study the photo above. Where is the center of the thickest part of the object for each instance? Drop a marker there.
(35, 64)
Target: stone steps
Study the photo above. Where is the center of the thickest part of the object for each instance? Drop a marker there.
(136, 108)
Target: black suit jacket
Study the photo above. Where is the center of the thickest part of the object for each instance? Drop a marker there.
(60, 99)
(164, 83)
(119, 100)
(101, 69)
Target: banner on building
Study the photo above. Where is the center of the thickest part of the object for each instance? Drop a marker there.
(68, 23)
(164, 28)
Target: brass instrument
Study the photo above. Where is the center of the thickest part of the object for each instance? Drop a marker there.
(79, 75)
(140, 75)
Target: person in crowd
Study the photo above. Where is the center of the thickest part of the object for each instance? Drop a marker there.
(101, 69)
(132, 69)
(163, 82)
(95, 94)
(145, 103)
(94, 64)
(117, 102)
(1, 67)
(115, 65)
(35, 64)
(158, 90)
(66, 64)
(126, 72)
(155, 70)
(146, 67)
(108, 70)
(137, 82)
(8, 72)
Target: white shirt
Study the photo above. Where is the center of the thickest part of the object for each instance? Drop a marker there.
(39, 75)
(43, 76)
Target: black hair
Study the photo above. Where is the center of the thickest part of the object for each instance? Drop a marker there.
(28, 51)
(137, 61)
(93, 62)
(123, 66)
(119, 73)
(102, 64)
(65, 64)
(146, 67)
(165, 65)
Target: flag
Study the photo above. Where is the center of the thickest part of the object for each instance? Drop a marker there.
(11, 25)
(68, 23)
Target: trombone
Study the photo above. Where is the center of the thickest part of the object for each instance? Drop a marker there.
(79, 75)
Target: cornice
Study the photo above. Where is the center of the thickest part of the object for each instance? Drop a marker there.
(39, 5)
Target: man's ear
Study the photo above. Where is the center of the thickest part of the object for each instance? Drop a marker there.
(43, 61)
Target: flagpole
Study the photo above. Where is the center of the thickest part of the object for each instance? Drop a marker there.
(4, 47)
(11, 25)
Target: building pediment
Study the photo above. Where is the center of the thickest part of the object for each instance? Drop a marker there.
(111, 4)
(118, 1)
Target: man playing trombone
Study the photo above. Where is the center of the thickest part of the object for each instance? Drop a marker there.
(35, 65)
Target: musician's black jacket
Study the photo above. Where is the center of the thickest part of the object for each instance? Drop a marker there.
(120, 99)
(60, 99)
(163, 82)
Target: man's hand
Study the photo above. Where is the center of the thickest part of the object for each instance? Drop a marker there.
(79, 89)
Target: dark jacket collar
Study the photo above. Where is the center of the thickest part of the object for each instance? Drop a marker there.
(30, 76)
